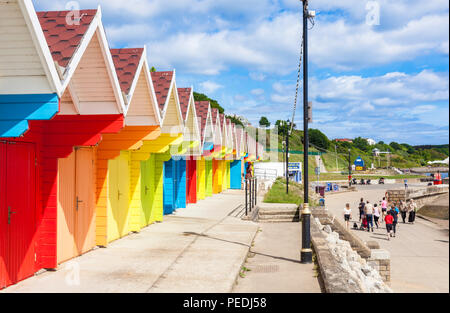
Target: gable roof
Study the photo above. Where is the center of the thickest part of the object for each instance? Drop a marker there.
(126, 62)
(202, 108)
(64, 39)
(162, 82)
(68, 43)
(184, 94)
(165, 86)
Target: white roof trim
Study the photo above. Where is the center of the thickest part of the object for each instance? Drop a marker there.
(191, 108)
(143, 64)
(34, 26)
(173, 88)
(96, 26)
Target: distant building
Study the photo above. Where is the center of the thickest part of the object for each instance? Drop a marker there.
(344, 140)
(376, 152)
(371, 142)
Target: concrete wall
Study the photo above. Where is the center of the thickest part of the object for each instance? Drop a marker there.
(421, 196)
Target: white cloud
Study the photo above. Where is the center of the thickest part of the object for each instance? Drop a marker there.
(210, 87)
(257, 76)
(257, 92)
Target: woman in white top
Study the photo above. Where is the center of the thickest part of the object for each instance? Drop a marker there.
(347, 214)
(376, 214)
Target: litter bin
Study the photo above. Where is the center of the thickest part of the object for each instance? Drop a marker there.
(322, 202)
(336, 187)
(329, 186)
(322, 191)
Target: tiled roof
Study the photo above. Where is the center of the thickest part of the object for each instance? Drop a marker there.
(202, 108)
(161, 83)
(214, 112)
(63, 39)
(184, 95)
(126, 62)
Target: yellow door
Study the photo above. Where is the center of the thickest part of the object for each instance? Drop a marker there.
(118, 200)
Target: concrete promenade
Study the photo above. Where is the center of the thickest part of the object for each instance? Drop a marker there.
(198, 249)
(419, 253)
(274, 263)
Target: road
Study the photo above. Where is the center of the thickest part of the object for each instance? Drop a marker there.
(419, 253)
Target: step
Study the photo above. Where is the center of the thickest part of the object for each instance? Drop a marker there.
(279, 221)
(278, 217)
(279, 212)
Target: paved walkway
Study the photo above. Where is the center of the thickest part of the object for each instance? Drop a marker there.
(419, 253)
(274, 263)
(198, 249)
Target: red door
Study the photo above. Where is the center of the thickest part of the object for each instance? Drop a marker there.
(4, 279)
(192, 180)
(18, 209)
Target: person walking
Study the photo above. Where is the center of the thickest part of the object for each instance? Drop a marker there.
(403, 210)
(389, 220)
(384, 205)
(394, 214)
(412, 208)
(376, 214)
(369, 215)
(347, 215)
(361, 206)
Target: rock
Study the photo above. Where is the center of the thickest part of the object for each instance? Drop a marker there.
(327, 229)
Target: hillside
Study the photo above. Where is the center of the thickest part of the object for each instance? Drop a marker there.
(402, 155)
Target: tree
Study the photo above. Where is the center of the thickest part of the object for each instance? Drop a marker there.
(235, 120)
(396, 146)
(361, 144)
(283, 127)
(264, 122)
(153, 69)
(319, 139)
(214, 103)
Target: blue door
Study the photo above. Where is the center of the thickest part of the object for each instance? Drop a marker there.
(235, 175)
(169, 187)
(180, 201)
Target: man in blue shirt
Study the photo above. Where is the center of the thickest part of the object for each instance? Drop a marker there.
(394, 211)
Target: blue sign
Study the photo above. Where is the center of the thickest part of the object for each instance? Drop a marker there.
(359, 162)
(297, 166)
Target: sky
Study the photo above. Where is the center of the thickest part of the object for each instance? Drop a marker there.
(377, 69)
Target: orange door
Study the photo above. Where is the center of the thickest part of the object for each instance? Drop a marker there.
(85, 195)
(76, 203)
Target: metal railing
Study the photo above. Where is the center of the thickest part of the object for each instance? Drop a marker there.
(251, 194)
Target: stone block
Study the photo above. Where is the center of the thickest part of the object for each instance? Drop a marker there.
(373, 244)
(379, 254)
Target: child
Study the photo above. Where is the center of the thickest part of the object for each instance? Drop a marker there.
(347, 214)
(364, 223)
(389, 220)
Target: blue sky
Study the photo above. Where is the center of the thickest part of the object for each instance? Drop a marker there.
(387, 82)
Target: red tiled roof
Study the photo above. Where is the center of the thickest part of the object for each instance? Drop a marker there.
(126, 62)
(214, 112)
(161, 83)
(184, 95)
(202, 108)
(63, 39)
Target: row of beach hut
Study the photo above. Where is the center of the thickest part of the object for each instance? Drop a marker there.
(93, 145)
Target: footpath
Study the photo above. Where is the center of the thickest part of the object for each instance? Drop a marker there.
(419, 253)
(198, 249)
(273, 264)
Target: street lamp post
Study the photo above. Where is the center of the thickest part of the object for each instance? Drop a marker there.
(306, 252)
(349, 169)
(287, 157)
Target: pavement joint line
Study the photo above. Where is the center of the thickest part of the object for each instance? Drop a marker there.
(180, 255)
